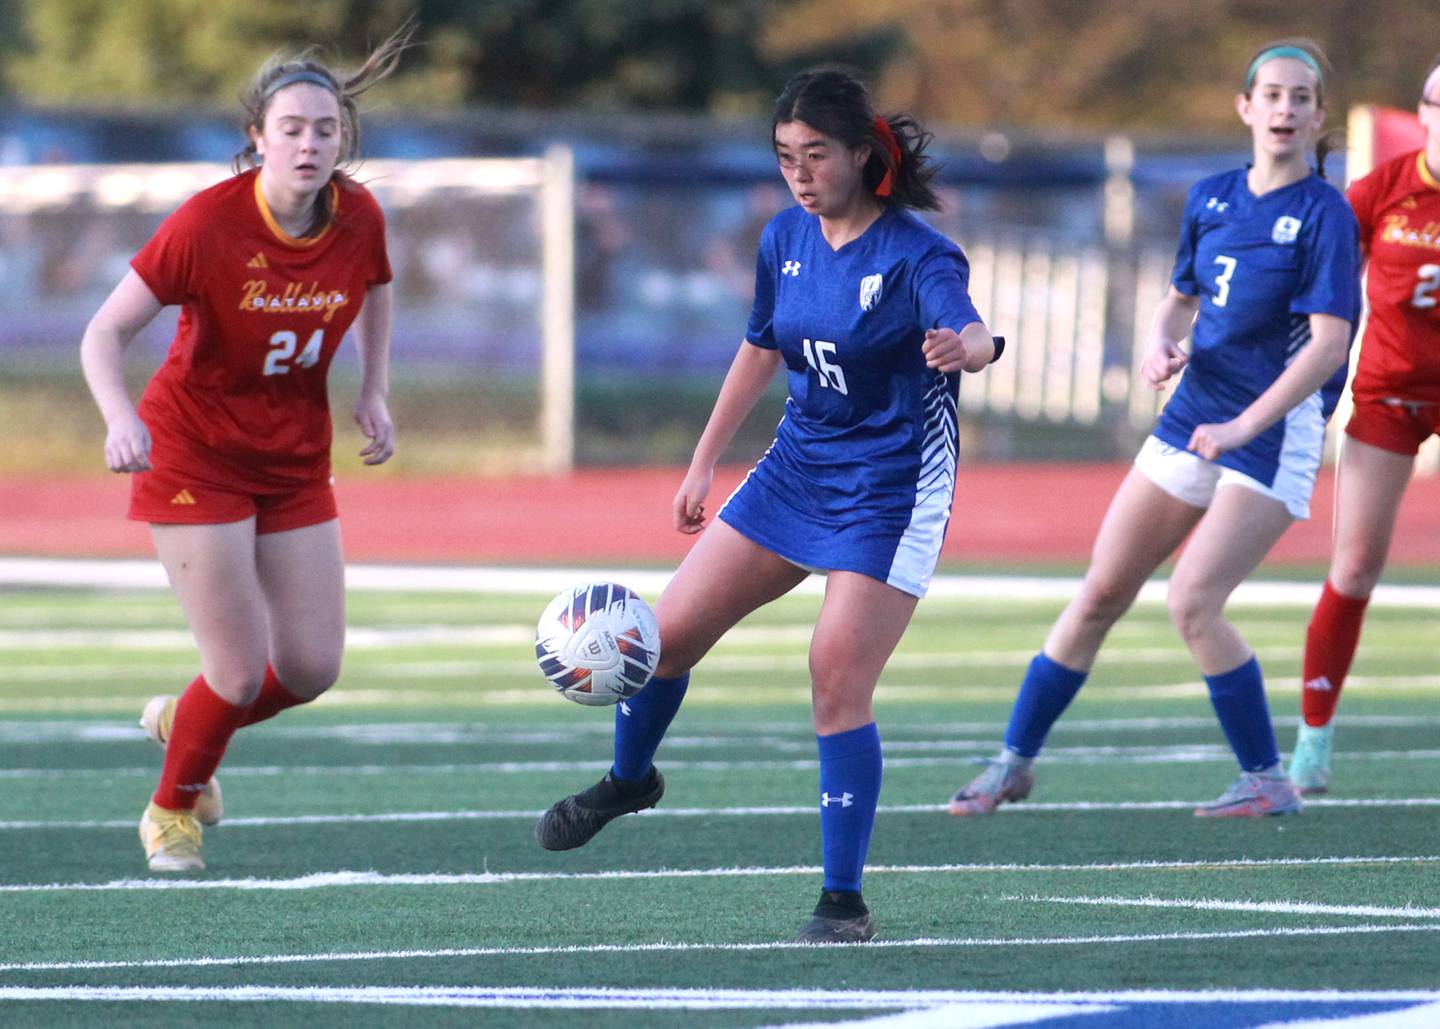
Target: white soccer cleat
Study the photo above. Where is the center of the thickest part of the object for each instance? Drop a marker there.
(1310, 764)
(156, 719)
(1253, 796)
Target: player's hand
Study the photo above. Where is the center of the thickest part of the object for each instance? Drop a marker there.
(1161, 363)
(373, 417)
(1210, 441)
(944, 350)
(689, 506)
(127, 444)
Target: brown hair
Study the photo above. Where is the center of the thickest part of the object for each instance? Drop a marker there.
(1327, 142)
(281, 71)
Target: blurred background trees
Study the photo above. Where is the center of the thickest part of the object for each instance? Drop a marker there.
(1075, 65)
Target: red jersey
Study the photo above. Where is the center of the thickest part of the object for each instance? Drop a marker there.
(1398, 207)
(241, 398)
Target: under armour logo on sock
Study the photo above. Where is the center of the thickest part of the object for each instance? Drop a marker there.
(844, 800)
(1320, 685)
(625, 709)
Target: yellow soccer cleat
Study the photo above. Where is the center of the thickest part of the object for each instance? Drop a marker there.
(156, 719)
(171, 839)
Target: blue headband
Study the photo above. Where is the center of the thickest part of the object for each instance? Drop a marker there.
(1301, 55)
(305, 75)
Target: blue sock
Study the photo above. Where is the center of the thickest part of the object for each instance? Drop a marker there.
(850, 772)
(1238, 697)
(1044, 695)
(640, 724)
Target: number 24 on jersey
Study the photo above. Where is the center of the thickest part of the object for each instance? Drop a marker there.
(282, 356)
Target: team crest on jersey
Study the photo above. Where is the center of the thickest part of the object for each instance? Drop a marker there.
(870, 287)
(1286, 229)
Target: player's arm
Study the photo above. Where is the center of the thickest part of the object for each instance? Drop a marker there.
(1168, 329)
(372, 336)
(969, 350)
(749, 374)
(1312, 367)
(129, 308)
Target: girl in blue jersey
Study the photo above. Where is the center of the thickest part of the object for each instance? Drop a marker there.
(1266, 283)
(866, 308)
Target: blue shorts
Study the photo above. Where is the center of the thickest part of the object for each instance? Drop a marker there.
(899, 548)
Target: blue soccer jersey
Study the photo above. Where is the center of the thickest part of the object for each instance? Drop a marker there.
(1260, 266)
(861, 475)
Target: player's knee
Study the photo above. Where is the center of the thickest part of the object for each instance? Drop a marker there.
(1191, 612)
(308, 675)
(1355, 573)
(1103, 602)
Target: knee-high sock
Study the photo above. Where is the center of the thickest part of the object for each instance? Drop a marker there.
(1045, 692)
(640, 724)
(203, 725)
(1330, 644)
(273, 699)
(850, 772)
(1238, 697)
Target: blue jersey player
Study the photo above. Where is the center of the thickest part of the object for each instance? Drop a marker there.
(867, 310)
(1266, 281)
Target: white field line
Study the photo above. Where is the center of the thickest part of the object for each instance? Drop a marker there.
(16, 571)
(1178, 756)
(667, 947)
(788, 811)
(1265, 906)
(960, 1002)
(326, 880)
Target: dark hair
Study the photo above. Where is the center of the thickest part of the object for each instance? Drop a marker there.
(1320, 65)
(303, 67)
(836, 103)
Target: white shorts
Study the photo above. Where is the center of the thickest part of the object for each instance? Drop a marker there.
(1191, 478)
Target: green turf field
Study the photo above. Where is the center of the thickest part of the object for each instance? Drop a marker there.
(377, 864)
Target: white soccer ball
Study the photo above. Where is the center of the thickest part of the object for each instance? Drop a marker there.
(598, 643)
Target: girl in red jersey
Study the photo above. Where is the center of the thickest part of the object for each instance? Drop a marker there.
(230, 445)
(1397, 407)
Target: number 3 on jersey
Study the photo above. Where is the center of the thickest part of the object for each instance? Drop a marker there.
(282, 349)
(1222, 281)
(831, 374)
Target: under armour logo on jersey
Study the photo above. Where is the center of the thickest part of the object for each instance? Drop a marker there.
(1286, 229)
(1216, 204)
(790, 268)
(844, 800)
(870, 291)
(1320, 685)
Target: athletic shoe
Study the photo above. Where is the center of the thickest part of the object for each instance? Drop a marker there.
(574, 821)
(1001, 781)
(1251, 796)
(1310, 764)
(171, 839)
(156, 720)
(838, 918)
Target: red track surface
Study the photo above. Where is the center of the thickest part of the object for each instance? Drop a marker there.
(1011, 513)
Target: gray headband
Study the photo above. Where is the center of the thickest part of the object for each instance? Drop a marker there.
(305, 75)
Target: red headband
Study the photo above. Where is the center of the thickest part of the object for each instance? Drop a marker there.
(892, 147)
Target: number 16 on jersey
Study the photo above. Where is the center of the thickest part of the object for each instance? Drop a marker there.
(818, 356)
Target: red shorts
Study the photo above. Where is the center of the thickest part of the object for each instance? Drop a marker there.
(169, 497)
(1399, 426)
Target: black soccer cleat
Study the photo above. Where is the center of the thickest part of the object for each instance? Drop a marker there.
(838, 918)
(574, 821)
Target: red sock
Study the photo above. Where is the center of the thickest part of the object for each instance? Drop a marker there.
(273, 699)
(1330, 644)
(204, 723)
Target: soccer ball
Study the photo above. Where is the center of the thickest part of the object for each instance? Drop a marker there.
(598, 643)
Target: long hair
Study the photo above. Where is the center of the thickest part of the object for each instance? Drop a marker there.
(1327, 142)
(836, 103)
(347, 87)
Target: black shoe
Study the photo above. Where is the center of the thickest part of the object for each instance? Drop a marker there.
(838, 918)
(574, 821)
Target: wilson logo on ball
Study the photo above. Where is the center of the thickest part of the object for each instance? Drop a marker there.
(598, 643)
